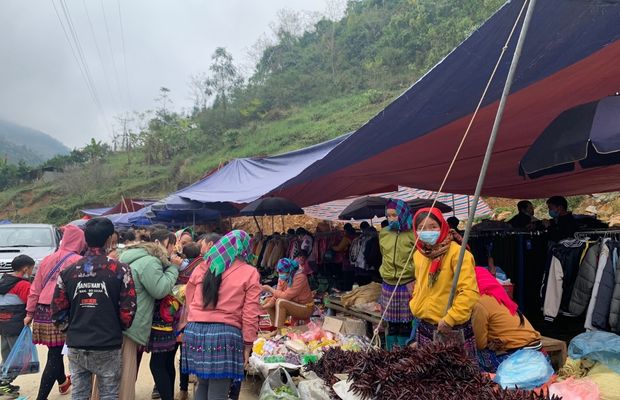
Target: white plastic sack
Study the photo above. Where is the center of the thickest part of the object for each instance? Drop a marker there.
(257, 365)
(313, 389)
(272, 388)
(342, 390)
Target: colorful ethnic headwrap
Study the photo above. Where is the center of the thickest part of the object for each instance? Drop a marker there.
(287, 269)
(487, 284)
(405, 219)
(233, 245)
(436, 251)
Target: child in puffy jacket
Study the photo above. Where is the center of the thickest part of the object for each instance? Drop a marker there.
(14, 289)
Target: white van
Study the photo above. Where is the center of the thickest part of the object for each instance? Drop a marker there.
(34, 240)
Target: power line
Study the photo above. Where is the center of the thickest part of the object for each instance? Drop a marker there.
(78, 55)
(100, 56)
(120, 20)
(107, 30)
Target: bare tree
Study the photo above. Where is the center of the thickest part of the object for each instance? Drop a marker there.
(200, 90)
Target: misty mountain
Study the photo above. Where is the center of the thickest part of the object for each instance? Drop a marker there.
(21, 143)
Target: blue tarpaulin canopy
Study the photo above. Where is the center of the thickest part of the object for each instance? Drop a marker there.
(244, 180)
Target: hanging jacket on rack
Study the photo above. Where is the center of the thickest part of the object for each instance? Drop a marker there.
(582, 291)
(602, 261)
(565, 261)
(614, 314)
(602, 308)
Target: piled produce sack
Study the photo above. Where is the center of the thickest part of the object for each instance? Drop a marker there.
(362, 295)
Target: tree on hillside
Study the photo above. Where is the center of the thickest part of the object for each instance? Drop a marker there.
(96, 150)
(224, 79)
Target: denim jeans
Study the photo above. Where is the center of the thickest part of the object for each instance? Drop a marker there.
(86, 363)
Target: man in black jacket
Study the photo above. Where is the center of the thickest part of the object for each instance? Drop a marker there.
(94, 301)
(562, 224)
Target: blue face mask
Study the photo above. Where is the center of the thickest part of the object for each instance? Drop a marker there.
(554, 214)
(283, 277)
(394, 226)
(429, 237)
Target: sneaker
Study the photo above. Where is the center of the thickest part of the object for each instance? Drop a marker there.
(183, 395)
(155, 394)
(7, 393)
(65, 387)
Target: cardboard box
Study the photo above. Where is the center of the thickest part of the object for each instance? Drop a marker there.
(345, 326)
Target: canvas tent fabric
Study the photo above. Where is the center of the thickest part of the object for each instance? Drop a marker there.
(244, 180)
(122, 207)
(96, 212)
(570, 57)
(460, 204)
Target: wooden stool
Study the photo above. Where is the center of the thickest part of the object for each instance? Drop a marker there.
(557, 351)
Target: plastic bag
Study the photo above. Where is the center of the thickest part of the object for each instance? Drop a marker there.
(23, 358)
(575, 389)
(597, 346)
(279, 386)
(343, 390)
(313, 389)
(525, 369)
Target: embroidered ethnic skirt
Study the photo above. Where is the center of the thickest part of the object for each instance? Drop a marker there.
(43, 330)
(212, 351)
(398, 310)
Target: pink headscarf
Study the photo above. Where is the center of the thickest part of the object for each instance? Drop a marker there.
(487, 284)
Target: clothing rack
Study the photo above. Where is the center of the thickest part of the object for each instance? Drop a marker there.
(506, 233)
(582, 235)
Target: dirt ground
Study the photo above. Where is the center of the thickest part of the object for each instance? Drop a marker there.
(30, 383)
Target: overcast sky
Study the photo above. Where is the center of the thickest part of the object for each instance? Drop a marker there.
(166, 42)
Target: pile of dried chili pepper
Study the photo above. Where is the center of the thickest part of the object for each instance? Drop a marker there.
(334, 361)
(437, 371)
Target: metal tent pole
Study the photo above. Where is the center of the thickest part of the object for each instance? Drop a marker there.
(491, 144)
(257, 224)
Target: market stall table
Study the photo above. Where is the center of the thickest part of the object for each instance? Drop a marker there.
(371, 317)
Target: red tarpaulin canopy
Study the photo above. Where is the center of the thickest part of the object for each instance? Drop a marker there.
(571, 56)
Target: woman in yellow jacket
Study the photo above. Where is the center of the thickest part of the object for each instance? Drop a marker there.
(435, 264)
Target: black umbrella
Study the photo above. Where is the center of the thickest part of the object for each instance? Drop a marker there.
(271, 206)
(369, 207)
(588, 134)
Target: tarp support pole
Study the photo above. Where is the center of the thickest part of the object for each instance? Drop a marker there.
(257, 225)
(491, 144)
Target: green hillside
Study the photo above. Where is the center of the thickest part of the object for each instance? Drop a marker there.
(312, 82)
(20, 143)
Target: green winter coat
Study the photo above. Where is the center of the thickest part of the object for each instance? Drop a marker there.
(396, 252)
(153, 282)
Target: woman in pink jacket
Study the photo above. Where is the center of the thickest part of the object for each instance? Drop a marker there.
(222, 297)
(293, 296)
(38, 309)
